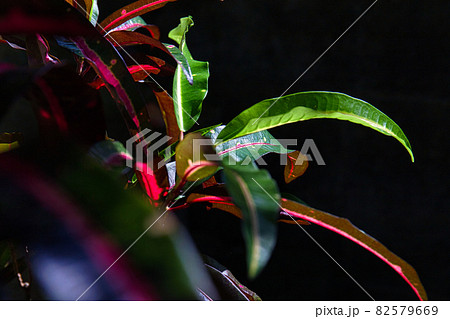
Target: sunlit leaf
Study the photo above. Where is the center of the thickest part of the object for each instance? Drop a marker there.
(192, 157)
(345, 228)
(127, 38)
(247, 148)
(131, 11)
(312, 105)
(93, 12)
(188, 97)
(256, 194)
(130, 25)
(10, 141)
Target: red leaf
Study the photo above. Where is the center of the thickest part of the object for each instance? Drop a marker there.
(131, 11)
(127, 38)
(295, 167)
(106, 70)
(226, 204)
(167, 110)
(345, 228)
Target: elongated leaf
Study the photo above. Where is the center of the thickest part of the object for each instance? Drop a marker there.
(111, 68)
(312, 105)
(182, 62)
(345, 228)
(127, 38)
(14, 42)
(225, 203)
(89, 8)
(68, 44)
(131, 11)
(38, 51)
(131, 24)
(255, 193)
(93, 12)
(247, 148)
(188, 97)
(166, 106)
(296, 165)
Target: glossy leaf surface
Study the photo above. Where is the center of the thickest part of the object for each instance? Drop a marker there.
(312, 105)
(345, 228)
(247, 148)
(131, 11)
(130, 25)
(188, 97)
(256, 194)
(192, 157)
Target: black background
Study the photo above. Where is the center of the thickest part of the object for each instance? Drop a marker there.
(396, 58)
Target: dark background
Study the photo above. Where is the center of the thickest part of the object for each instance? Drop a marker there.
(396, 58)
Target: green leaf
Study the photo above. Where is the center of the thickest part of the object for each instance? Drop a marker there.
(10, 141)
(216, 197)
(345, 228)
(169, 151)
(191, 157)
(312, 105)
(181, 60)
(93, 12)
(247, 148)
(131, 24)
(164, 251)
(256, 194)
(188, 97)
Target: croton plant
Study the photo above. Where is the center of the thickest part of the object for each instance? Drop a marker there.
(85, 216)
